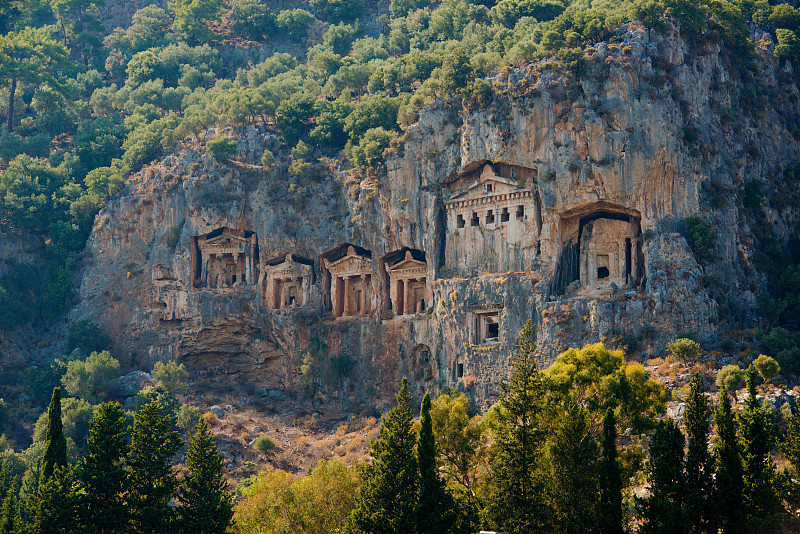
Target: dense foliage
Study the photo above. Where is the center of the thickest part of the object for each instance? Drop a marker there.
(85, 106)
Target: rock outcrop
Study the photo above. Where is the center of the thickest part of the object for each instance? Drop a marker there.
(559, 201)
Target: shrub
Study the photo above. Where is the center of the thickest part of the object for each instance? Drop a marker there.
(88, 378)
(169, 404)
(683, 348)
(766, 366)
(264, 444)
(173, 377)
(295, 22)
(700, 237)
(221, 148)
(369, 152)
(785, 345)
(88, 336)
(253, 19)
(187, 417)
(730, 376)
(338, 10)
(268, 158)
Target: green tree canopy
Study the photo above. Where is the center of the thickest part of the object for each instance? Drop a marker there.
(205, 502)
(388, 498)
(152, 482)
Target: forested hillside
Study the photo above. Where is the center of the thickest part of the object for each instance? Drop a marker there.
(323, 131)
(87, 106)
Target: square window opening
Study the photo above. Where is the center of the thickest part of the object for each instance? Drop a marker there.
(520, 212)
(490, 217)
(504, 215)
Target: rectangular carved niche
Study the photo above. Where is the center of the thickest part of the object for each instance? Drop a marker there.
(486, 327)
(287, 282)
(225, 258)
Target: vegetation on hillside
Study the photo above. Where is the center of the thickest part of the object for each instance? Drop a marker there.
(86, 106)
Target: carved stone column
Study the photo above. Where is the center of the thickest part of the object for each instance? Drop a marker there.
(397, 298)
(364, 310)
(347, 296)
(409, 306)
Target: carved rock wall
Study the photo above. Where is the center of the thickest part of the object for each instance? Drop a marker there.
(610, 146)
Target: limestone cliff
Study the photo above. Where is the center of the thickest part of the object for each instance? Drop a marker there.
(557, 200)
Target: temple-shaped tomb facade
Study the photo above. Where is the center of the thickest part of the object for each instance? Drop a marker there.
(493, 219)
(224, 258)
(408, 289)
(286, 282)
(350, 282)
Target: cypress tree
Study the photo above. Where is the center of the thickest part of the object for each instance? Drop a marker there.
(103, 470)
(151, 483)
(699, 463)
(206, 504)
(515, 491)
(435, 511)
(610, 480)
(755, 431)
(55, 452)
(729, 484)
(388, 497)
(662, 510)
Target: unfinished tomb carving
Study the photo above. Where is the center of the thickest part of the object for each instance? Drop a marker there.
(349, 279)
(493, 218)
(601, 246)
(224, 258)
(408, 290)
(287, 282)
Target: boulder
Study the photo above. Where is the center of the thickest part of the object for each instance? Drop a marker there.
(129, 385)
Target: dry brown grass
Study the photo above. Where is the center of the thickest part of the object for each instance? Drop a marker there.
(469, 381)
(342, 429)
(303, 441)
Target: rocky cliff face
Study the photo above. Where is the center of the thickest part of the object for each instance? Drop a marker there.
(558, 201)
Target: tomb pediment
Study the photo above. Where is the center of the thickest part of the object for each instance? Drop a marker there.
(407, 264)
(352, 262)
(226, 240)
(486, 186)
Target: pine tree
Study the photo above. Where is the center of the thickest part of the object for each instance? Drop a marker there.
(791, 444)
(572, 470)
(9, 513)
(388, 498)
(699, 463)
(610, 480)
(435, 510)
(206, 504)
(59, 503)
(55, 452)
(103, 470)
(151, 481)
(729, 484)
(515, 492)
(755, 434)
(662, 510)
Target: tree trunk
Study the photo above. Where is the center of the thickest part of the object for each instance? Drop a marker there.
(11, 104)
